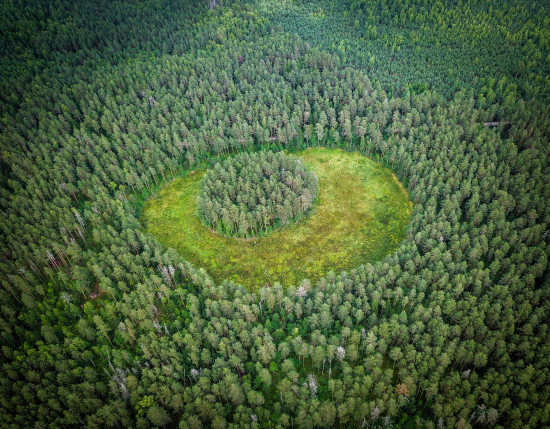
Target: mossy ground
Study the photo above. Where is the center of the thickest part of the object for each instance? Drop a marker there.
(360, 216)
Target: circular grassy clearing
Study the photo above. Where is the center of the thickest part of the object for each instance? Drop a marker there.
(360, 216)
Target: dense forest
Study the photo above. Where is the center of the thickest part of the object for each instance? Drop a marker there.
(103, 102)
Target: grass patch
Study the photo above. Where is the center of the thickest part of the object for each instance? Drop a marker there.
(360, 216)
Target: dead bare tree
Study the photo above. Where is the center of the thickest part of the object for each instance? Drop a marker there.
(213, 3)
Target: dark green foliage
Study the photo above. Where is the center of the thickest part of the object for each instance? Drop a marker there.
(103, 327)
(249, 194)
(497, 49)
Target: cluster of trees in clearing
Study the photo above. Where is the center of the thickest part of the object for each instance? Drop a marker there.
(101, 326)
(251, 193)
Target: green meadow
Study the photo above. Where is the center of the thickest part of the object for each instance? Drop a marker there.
(360, 215)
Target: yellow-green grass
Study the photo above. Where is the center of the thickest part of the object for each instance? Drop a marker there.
(360, 216)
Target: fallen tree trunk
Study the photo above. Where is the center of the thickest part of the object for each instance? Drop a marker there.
(496, 123)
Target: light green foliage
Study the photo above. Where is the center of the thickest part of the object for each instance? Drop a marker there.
(360, 216)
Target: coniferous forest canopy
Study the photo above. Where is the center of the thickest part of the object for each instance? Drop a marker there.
(106, 104)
